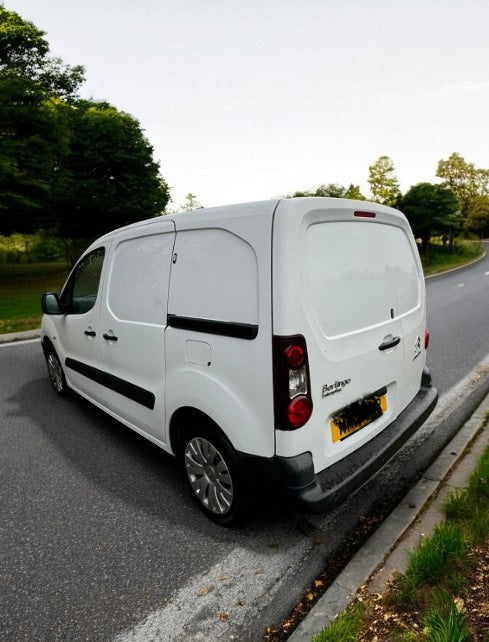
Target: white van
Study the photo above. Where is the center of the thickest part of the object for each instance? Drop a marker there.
(281, 342)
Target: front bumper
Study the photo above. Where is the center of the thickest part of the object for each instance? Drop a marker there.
(319, 493)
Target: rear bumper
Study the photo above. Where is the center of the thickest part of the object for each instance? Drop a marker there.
(321, 492)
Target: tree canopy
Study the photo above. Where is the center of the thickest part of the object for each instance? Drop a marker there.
(107, 175)
(78, 168)
(383, 182)
(429, 209)
(333, 190)
(478, 217)
(465, 180)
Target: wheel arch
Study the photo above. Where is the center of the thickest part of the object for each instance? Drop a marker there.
(46, 344)
(182, 419)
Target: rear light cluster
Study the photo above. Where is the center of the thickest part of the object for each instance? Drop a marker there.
(426, 339)
(292, 395)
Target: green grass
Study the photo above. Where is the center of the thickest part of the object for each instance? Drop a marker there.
(447, 627)
(436, 579)
(344, 628)
(441, 258)
(21, 286)
(437, 559)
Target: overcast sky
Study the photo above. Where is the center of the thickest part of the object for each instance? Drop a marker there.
(251, 99)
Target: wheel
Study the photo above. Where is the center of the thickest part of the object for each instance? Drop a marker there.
(56, 374)
(214, 475)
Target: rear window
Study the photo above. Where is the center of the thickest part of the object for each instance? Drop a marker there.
(359, 275)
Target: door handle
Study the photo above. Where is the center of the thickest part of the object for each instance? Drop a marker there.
(110, 337)
(90, 333)
(390, 344)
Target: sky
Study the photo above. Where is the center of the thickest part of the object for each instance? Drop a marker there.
(245, 100)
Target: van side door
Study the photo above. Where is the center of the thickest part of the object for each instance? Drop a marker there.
(133, 321)
(78, 341)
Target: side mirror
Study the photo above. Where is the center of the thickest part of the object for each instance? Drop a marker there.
(51, 304)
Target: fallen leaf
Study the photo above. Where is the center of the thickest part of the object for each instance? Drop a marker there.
(224, 617)
(205, 590)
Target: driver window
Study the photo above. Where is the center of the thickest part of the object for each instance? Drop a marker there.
(81, 292)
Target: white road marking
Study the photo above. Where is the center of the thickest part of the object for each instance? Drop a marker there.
(461, 285)
(216, 602)
(486, 273)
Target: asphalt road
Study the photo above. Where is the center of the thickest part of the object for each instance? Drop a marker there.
(96, 527)
(458, 318)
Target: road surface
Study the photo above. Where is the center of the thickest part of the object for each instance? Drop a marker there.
(99, 540)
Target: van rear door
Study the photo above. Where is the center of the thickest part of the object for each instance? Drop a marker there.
(355, 292)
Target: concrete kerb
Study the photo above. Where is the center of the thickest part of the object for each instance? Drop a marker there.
(386, 550)
(13, 337)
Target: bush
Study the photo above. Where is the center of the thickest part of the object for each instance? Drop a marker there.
(46, 248)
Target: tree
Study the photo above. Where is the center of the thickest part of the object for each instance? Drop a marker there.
(430, 208)
(24, 54)
(478, 218)
(333, 190)
(353, 192)
(464, 179)
(107, 177)
(31, 136)
(191, 203)
(383, 183)
(74, 167)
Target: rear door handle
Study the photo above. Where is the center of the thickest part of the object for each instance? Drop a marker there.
(90, 333)
(390, 344)
(110, 337)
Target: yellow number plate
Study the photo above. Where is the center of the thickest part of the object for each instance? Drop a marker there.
(358, 415)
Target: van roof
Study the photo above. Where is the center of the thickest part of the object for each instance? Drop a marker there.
(189, 219)
(196, 216)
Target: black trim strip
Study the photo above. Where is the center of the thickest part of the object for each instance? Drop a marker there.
(224, 328)
(123, 387)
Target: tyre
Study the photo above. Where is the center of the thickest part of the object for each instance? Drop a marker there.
(215, 475)
(56, 374)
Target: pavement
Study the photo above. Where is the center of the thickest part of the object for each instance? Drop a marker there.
(415, 517)
(10, 337)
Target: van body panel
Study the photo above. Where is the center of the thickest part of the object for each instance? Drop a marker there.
(222, 274)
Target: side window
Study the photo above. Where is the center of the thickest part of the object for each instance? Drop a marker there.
(81, 290)
(139, 276)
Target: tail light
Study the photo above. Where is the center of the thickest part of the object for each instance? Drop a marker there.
(426, 339)
(292, 393)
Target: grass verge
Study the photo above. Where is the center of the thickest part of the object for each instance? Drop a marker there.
(21, 286)
(442, 258)
(443, 596)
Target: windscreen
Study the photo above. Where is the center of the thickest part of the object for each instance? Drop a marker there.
(359, 275)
